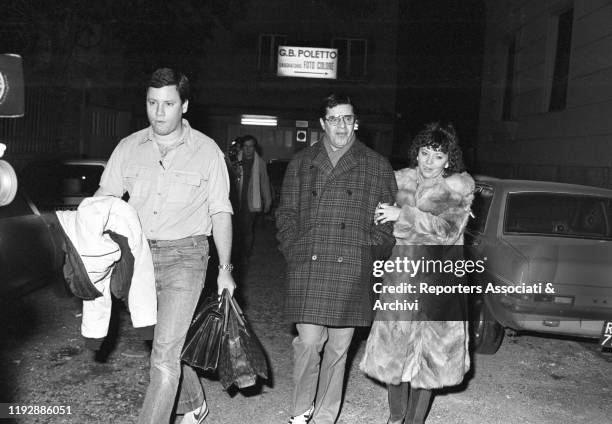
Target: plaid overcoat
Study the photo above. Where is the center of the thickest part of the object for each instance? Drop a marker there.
(327, 234)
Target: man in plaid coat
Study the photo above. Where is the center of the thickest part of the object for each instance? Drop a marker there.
(328, 237)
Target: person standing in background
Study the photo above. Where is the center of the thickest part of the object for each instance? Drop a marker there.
(254, 194)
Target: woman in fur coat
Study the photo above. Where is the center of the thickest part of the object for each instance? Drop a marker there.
(415, 352)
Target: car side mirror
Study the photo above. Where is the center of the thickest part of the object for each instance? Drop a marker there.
(11, 106)
(11, 86)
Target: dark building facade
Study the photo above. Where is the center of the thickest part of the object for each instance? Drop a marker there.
(240, 72)
(86, 105)
(546, 91)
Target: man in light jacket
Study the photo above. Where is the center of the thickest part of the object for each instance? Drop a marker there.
(254, 194)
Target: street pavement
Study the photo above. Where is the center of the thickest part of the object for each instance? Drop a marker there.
(531, 379)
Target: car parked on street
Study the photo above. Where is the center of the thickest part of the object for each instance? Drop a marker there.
(30, 253)
(534, 234)
(61, 184)
(30, 256)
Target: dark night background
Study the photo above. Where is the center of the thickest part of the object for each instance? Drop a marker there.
(440, 60)
(119, 43)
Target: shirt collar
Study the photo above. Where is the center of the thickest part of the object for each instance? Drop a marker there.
(148, 135)
(342, 150)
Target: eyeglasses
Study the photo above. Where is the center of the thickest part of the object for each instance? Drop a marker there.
(335, 120)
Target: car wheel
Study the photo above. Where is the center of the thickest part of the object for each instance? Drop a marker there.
(487, 333)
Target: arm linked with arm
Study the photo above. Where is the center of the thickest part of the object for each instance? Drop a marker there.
(445, 226)
(431, 229)
(382, 236)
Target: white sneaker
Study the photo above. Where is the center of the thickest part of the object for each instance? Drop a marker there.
(197, 416)
(302, 418)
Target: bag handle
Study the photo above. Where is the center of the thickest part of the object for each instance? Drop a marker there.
(237, 311)
(224, 303)
(228, 301)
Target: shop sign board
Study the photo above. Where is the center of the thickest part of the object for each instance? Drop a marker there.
(307, 62)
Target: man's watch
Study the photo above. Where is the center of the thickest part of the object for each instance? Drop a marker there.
(226, 267)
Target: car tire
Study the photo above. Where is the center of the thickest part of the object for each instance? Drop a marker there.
(487, 333)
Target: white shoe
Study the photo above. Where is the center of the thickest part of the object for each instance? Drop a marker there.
(302, 418)
(197, 416)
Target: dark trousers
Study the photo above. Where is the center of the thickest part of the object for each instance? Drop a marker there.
(407, 405)
(246, 222)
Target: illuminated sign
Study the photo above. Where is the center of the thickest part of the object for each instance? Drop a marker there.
(264, 120)
(307, 62)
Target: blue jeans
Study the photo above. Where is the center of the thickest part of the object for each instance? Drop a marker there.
(180, 270)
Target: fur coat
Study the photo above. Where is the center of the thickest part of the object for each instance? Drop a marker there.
(429, 352)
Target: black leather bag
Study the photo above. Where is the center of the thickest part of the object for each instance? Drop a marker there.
(204, 337)
(242, 357)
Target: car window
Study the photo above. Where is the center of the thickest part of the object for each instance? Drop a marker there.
(559, 214)
(80, 180)
(56, 185)
(483, 195)
(18, 207)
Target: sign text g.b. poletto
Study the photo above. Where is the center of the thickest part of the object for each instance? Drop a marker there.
(307, 62)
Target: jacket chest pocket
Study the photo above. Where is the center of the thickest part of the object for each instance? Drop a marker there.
(183, 186)
(138, 181)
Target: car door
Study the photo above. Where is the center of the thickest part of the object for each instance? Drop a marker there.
(28, 256)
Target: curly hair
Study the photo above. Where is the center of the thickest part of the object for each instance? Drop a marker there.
(442, 138)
